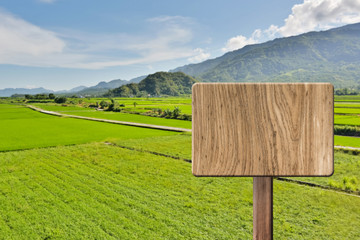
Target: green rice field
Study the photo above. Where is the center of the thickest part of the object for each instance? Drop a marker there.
(347, 141)
(347, 110)
(119, 116)
(97, 191)
(23, 128)
(146, 104)
(347, 120)
(64, 178)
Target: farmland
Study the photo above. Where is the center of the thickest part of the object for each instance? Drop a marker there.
(102, 191)
(23, 128)
(347, 111)
(68, 178)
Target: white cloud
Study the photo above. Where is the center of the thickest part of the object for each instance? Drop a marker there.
(200, 55)
(22, 43)
(311, 15)
(319, 15)
(239, 42)
(21, 37)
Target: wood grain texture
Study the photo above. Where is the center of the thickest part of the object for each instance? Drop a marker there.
(263, 129)
(263, 208)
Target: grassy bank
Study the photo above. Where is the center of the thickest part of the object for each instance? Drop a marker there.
(106, 192)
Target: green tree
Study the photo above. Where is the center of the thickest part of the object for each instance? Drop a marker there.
(176, 112)
(167, 113)
(114, 106)
(51, 96)
(103, 104)
(28, 96)
(60, 100)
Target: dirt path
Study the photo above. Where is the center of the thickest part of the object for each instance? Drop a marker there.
(348, 148)
(143, 125)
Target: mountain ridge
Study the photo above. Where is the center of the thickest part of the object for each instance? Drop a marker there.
(328, 56)
(157, 84)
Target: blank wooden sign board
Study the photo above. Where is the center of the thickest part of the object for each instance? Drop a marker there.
(262, 130)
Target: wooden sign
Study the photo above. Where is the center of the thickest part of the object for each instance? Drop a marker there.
(263, 129)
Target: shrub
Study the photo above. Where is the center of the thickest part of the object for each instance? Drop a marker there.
(167, 113)
(60, 100)
(103, 104)
(114, 106)
(346, 130)
(176, 112)
(186, 117)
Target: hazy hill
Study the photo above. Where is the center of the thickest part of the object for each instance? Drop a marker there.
(329, 56)
(160, 83)
(102, 87)
(73, 90)
(7, 92)
(97, 90)
(137, 79)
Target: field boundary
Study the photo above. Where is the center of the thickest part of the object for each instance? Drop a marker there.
(350, 192)
(147, 151)
(143, 125)
(309, 184)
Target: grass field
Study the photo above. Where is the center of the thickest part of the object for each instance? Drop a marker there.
(347, 98)
(145, 104)
(347, 120)
(347, 113)
(119, 116)
(62, 108)
(347, 110)
(100, 190)
(347, 166)
(346, 175)
(347, 141)
(97, 191)
(347, 104)
(23, 128)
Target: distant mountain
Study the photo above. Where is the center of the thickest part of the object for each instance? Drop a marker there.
(7, 92)
(112, 84)
(137, 79)
(73, 90)
(160, 83)
(97, 90)
(102, 87)
(76, 89)
(326, 56)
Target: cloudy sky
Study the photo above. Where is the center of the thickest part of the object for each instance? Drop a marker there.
(60, 44)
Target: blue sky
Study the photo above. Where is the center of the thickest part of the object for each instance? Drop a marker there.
(61, 44)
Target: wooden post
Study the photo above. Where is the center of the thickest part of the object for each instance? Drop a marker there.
(263, 208)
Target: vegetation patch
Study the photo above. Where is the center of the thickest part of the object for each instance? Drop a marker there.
(23, 128)
(119, 116)
(347, 120)
(345, 130)
(347, 141)
(346, 173)
(97, 191)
